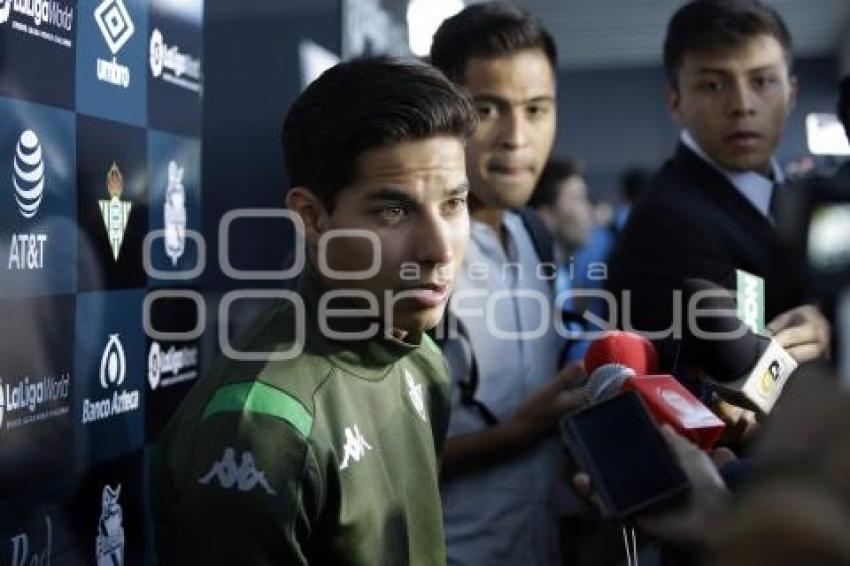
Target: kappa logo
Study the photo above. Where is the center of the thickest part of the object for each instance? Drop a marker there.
(355, 446)
(414, 391)
(115, 212)
(243, 477)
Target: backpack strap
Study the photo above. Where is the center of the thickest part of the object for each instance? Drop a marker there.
(541, 238)
(466, 372)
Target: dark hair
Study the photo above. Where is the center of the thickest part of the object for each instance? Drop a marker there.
(712, 25)
(548, 187)
(367, 104)
(843, 108)
(634, 182)
(491, 29)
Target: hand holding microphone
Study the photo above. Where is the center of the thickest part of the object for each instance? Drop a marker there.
(623, 361)
(747, 368)
(540, 411)
(804, 333)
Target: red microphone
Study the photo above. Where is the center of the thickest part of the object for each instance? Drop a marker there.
(621, 361)
(626, 348)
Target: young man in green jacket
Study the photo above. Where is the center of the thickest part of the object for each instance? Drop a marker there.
(325, 449)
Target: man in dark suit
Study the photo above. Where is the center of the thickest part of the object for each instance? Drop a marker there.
(708, 209)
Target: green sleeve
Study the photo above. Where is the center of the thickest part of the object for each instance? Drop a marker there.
(250, 493)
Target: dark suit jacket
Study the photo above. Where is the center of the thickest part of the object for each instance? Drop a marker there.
(694, 223)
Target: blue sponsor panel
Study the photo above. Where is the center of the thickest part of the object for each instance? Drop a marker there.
(97, 517)
(110, 368)
(109, 510)
(112, 60)
(112, 196)
(175, 208)
(37, 57)
(38, 533)
(175, 79)
(36, 392)
(173, 365)
(38, 201)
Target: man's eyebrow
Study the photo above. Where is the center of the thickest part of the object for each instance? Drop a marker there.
(458, 190)
(713, 71)
(391, 194)
(398, 195)
(502, 101)
(763, 68)
(726, 72)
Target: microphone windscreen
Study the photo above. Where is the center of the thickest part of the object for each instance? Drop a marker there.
(718, 341)
(606, 381)
(626, 348)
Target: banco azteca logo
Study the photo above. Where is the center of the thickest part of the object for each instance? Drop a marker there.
(28, 176)
(113, 363)
(114, 23)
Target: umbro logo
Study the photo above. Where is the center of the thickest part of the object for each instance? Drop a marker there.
(243, 477)
(355, 446)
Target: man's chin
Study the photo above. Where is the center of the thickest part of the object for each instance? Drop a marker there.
(420, 320)
(744, 163)
(507, 197)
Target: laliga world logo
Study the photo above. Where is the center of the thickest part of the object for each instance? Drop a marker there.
(116, 212)
(110, 529)
(174, 213)
(157, 53)
(113, 363)
(29, 173)
(5, 8)
(154, 369)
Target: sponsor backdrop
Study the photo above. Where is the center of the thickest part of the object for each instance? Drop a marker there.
(100, 125)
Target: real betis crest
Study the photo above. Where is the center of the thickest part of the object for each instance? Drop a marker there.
(115, 211)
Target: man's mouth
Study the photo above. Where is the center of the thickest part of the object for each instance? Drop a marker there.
(428, 295)
(510, 168)
(744, 139)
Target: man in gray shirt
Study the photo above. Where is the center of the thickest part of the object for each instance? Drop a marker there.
(501, 469)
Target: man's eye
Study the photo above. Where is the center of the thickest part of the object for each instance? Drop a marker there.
(391, 214)
(536, 110)
(764, 81)
(486, 110)
(455, 205)
(709, 86)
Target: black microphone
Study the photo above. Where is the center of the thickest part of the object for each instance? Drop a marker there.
(749, 369)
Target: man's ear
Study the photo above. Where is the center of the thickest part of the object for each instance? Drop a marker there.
(795, 91)
(307, 205)
(674, 100)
